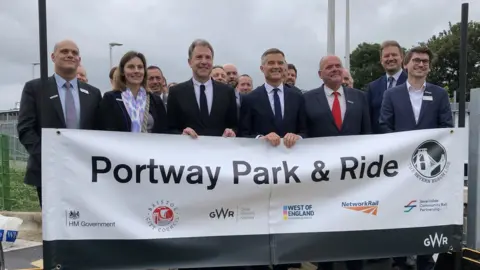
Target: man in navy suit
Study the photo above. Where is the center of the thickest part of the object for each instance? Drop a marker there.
(391, 57)
(415, 105)
(334, 110)
(273, 111)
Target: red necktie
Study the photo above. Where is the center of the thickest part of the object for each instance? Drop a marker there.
(336, 111)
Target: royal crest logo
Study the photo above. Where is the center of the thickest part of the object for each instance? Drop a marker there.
(73, 214)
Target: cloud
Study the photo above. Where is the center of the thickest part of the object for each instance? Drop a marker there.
(240, 32)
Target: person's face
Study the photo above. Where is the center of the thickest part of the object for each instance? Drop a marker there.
(66, 56)
(82, 74)
(134, 71)
(419, 65)
(155, 80)
(244, 84)
(201, 61)
(232, 75)
(347, 79)
(331, 70)
(219, 75)
(391, 59)
(273, 67)
(291, 77)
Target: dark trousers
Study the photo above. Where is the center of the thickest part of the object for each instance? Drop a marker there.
(39, 193)
(425, 262)
(351, 265)
(275, 267)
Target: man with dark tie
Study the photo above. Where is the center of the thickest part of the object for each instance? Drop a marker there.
(334, 110)
(273, 111)
(156, 82)
(391, 57)
(201, 106)
(416, 105)
(66, 103)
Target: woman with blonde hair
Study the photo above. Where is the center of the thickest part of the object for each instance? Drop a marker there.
(130, 107)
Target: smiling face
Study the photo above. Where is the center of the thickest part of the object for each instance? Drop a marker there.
(201, 62)
(273, 67)
(331, 71)
(391, 59)
(134, 71)
(66, 56)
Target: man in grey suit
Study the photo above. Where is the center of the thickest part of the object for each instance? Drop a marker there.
(334, 110)
(416, 104)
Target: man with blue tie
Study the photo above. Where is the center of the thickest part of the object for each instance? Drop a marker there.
(391, 58)
(273, 111)
(66, 103)
(416, 105)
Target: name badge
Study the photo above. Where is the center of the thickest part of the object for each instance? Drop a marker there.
(428, 98)
(55, 96)
(84, 91)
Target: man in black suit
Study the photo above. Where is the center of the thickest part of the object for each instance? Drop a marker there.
(273, 111)
(202, 106)
(391, 58)
(334, 110)
(66, 103)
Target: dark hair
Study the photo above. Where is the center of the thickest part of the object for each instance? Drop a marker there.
(154, 67)
(391, 43)
(199, 42)
(120, 83)
(245, 75)
(421, 50)
(217, 66)
(292, 66)
(110, 75)
(271, 51)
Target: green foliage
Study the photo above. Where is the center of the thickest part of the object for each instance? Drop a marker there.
(23, 197)
(365, 64)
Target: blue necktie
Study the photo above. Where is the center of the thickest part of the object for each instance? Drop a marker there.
(71, 120)
(390, 82)
(278, 111)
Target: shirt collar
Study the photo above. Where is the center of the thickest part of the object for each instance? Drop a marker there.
(396, 75)
(207, 83)
(61, 82)
(411, 88)
(329, 91)
(270, 88)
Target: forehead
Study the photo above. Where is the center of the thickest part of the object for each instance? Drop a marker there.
(420, 55)
(218, 70)
(201, 50)
(154, 72)
(274, 56)
(230, 68)
(81, 69)
(134, 61)
(66, 45)
(391, 50)
(244, 79)
(331, 60)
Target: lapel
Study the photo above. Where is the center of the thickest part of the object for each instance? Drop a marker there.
(190, 99)
(404, 95)
(265, 102)
(348, 105)
(216, 100)
(288, 102)
(54, 97)
(322, 99)
(425, 104)
(119, 100)
(83, 99)
(403, 78)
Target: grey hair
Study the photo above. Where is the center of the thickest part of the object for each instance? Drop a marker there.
(199, 42)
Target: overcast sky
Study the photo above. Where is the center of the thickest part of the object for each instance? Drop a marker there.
(239, 30)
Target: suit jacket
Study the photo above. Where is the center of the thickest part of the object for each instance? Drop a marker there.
(397, 112)
(257, 116)
(320, 121)
(375, 92)
(183, 110)
(294, 88)
(114, 115)
(42, 108)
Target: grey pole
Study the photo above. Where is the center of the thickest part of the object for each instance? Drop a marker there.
(331, 28)
(473, 209)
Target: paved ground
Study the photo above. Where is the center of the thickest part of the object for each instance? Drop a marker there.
(26, 258)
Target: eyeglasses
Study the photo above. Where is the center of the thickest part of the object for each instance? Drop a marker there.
(418, 61)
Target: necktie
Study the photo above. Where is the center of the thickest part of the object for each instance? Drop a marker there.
(203, 104)
(71, 120)
(336, 111)
(277, 108)
(390, 82)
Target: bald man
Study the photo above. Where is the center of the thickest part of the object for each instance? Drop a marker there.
(66, 103)
(336, 110)
(347, 78)
(82, 74)
(232, 74)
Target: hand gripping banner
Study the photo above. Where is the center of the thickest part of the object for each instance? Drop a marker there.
(122, 200)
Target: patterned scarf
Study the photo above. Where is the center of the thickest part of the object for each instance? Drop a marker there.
(137, 108)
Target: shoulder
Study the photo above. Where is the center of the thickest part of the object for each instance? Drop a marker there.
(354, 91)
(396, 90)
(374, 84)
(312, 92)
(89, 88)
(294, 91)
(222, 86)
(180, 86)
(435, 88)
(155, 97)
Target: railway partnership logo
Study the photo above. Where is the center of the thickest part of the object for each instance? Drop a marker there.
(429, 162)
(367, 207)
(409, 207)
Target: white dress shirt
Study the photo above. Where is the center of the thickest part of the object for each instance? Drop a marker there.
(208, 92)
(395, 78)
(416, 98)
(341, 98)
(270, 94)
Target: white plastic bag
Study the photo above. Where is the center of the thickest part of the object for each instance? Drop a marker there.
(9, 230)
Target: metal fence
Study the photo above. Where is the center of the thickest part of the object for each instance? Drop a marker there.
(14, 194)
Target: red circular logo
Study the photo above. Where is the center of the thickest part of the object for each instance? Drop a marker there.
(163, 215)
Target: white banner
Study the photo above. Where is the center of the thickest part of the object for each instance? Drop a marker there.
(106, 185)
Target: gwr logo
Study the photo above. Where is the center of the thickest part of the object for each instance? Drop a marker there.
(435, 241)
(222, 213)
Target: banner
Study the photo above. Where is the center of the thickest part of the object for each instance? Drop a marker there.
(118, 200)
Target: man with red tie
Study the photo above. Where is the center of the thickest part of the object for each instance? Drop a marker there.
(335, 110)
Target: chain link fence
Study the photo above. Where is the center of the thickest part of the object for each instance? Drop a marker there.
(14, 194)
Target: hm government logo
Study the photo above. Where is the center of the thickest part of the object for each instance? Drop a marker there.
(73, 214)
(429, 162)
(162, 216)
(72, 219)
(367, 207)
(298, 211)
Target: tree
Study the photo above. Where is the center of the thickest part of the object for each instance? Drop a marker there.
(365, 64)
(446, 47)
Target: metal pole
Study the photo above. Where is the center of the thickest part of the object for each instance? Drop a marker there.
(473, 208)
(347, 35)
(331, 27)
(110, 46)
(463, 66)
